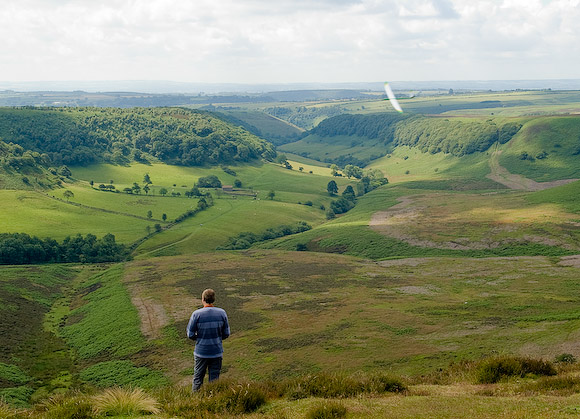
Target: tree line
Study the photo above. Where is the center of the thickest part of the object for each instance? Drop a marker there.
(247, 239)
(21, 248)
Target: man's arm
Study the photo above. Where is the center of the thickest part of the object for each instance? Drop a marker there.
(192, 327)
(225, 328)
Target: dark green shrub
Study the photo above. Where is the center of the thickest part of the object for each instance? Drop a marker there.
(327, 410)
(379, 383)
(496, 369)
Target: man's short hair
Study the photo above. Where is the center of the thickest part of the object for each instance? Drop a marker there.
(208, 296)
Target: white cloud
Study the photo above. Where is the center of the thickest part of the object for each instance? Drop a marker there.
(288, 40)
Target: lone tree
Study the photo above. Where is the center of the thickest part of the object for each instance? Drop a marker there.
(210, 181)
(348, 193)
(163, 191)
(149, 214)
(271, 195)
(332, 188)
(334, 170)
(147, 179)
(164, 217)
(68, 194)
(146, 189)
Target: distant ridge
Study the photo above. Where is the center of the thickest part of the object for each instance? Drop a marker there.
(161, 86)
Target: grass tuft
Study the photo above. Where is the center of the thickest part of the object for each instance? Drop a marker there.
(7, 412)
(327, 409)
(67, 406)
(231, 397)
(340, 385)
(119, 401)
(560, 385)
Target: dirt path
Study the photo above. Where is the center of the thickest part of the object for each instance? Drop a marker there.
(152, 314)
(501, 175)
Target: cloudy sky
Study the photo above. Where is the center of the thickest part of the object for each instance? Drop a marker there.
(283, 41)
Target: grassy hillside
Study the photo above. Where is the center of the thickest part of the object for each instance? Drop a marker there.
(273, 129)
(411, 317)
(40, 215)
(566, 196)
(32, 358)
(403, 222)
(547, 148)
(23, 169)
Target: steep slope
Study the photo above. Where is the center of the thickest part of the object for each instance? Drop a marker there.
(22, 169)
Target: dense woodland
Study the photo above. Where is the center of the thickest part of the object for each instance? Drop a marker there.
(370, 126)
(436, 135)
(433, 135)
(81, 136)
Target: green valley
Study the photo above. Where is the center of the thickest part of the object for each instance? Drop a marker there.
(431, 243)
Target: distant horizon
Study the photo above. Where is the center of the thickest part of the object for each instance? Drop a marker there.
(177, 87)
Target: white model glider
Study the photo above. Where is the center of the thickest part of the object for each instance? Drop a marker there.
(392, 98)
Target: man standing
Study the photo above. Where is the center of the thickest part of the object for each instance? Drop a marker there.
(207, 326)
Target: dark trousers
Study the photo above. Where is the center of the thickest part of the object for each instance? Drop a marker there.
(213, 367)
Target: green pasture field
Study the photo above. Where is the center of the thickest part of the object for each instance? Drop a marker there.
(227, 218)
(321, 148)
(559, 137)
(131, 204)
(329, 313)
(260, 177)
(40, 215)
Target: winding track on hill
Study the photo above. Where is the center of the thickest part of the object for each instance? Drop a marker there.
(501, 175)
(385, 222)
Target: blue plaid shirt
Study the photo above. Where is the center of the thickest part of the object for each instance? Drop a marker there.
(208, 326)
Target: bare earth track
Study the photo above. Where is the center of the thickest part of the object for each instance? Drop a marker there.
(501, 175)
(403, 220)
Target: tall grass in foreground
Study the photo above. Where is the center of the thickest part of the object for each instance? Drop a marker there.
(119, 401)
(331, 392)
(327, 409)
